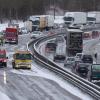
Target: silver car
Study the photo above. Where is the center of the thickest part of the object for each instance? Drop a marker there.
(70, 61)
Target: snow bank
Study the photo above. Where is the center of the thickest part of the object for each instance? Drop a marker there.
(37, 71)
(4, 97)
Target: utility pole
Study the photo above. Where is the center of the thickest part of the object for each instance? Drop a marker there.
(94, 5)
(54, 8)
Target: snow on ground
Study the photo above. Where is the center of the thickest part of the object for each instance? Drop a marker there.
(42, 72)
(3, 96)
(4, 25)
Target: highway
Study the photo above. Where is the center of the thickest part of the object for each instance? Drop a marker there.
(30, 84)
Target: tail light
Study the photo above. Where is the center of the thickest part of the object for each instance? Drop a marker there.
(5, 60)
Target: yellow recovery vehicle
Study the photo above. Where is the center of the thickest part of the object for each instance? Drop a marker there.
(22, 59)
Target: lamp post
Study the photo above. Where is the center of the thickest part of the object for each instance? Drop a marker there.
(94, 6)
(54, 8)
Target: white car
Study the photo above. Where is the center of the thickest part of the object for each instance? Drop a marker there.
(24, 30)
(70, 61)
(36, 34)
(78, 56)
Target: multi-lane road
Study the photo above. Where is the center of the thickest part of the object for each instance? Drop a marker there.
(31, 84)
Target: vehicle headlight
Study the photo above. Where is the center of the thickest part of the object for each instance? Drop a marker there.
(16, 65)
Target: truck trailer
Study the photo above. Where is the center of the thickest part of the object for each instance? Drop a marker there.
(93, 17)
(41, 22)
(74, 42)
(75, 18)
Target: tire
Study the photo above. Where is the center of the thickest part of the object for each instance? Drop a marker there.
(5, 64)
(13, 65)
(16, 42)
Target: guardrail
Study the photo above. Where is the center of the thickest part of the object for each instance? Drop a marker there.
(83, 84)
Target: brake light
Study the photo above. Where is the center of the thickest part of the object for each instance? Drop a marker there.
(47, 49)
(81, 46)
(5, 60)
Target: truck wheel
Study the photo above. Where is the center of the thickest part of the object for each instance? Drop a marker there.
(5, 64)
(16, 42)
(13, 65)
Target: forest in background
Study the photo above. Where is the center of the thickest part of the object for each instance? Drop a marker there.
(20, 9)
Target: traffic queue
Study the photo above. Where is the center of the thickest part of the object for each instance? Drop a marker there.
(82, 64)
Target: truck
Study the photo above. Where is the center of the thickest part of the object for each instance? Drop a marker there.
(60, 53)
(74, 41)
(28, 25)
(41, 22)
(1, 38)
(50, 21)
(75, 18)
(22, 59)
(93, 17)
(11, 35)
(94, 72)
(3, 58)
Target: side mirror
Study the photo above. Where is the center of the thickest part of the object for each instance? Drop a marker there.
(7, 57)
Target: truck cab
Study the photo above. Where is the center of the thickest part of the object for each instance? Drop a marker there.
(94, 72)
(22, 59)
(11, 35)
(3, 58)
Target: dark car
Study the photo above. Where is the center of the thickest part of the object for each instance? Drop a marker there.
(87, 59)
(82, 69)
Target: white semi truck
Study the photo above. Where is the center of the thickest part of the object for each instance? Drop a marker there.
(93, 17)
(75, 18)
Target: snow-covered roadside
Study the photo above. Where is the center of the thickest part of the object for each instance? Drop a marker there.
(3, 96)
(4, 25)
(42, 72)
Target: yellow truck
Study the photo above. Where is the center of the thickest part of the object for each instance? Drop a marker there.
(22, 59)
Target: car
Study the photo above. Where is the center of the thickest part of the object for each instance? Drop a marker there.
(3, 58)
(23, 30)
(77, 61)
(78, 55)
(70, 61)
(94, 72)
(87, 58)
(60, 39)
(36, 34)
(59, 58)
(50, 46)
(82, 68)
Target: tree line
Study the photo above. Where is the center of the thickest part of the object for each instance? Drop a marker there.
(19, 9)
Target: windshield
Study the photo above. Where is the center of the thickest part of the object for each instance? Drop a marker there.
(91, 19)
(10, 34)
(96, 68)
(70, 59)
(59, 39)
(79, 55)
(2, 56)
(23, 56)
(36, 22)
(83, 65)
(35, 32)
(59, 57)
(68, 18)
